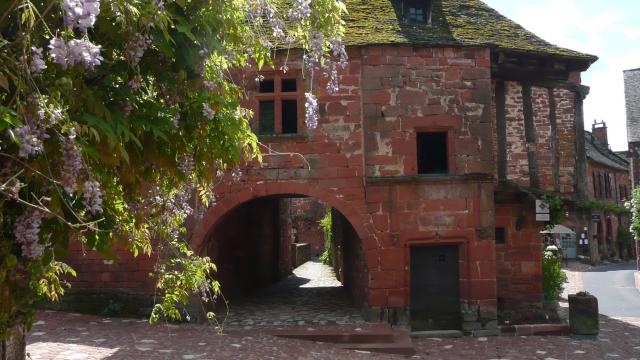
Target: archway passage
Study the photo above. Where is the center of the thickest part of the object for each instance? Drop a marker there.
(268, 255)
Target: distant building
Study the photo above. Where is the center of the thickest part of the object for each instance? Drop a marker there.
(632, 96)
(607, 183)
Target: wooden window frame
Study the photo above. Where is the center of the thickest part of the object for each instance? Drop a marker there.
(277, 96)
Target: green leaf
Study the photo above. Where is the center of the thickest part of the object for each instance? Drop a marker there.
(4, 82)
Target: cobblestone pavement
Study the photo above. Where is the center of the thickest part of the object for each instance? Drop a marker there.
(59, 335)
(310, 296)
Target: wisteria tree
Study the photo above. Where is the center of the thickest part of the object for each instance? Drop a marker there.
(117, 120)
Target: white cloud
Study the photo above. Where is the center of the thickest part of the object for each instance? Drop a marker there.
(569, 25)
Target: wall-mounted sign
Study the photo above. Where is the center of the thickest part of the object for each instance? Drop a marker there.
(595, 216)
(543, 217)
(543, 211)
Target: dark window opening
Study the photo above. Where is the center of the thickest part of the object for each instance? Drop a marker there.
(267, 86)
(417, 11)
(289, 85)
(266, 122)
(289, 116)
(501, 236)
(432, 153)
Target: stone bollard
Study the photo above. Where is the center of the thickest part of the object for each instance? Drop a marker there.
(583, 314)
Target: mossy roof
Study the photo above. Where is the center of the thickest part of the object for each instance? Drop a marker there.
(453, 23)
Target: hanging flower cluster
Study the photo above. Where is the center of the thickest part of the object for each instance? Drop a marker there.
(80, 14)
(71, 166)
(81, 51)
(311, 110)
(92, 197)
(37, 63)
(136, 47)
(27, 232)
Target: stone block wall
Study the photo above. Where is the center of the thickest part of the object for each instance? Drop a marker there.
(519, 259)
(539, 136)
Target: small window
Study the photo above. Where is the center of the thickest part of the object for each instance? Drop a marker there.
(501, 236)
(289, 116)
(433, 154)
(278, 100)
(289, 85)
(267, 86)
(267, 117)
(416, 11)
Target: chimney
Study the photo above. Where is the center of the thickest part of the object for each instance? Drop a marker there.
(599, 131)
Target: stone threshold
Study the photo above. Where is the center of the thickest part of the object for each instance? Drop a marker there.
(535, 330)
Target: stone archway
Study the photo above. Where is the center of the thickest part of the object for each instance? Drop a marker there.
(230, 200)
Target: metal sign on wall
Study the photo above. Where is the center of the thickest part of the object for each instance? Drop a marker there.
(543, 211)
(595, 216)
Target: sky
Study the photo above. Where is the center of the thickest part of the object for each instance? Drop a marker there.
(608, 29)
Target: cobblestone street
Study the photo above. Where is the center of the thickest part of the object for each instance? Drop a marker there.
(71, 336)
(310, 296)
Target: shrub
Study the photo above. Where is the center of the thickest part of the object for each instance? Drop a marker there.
(552, 276)
(326, 225)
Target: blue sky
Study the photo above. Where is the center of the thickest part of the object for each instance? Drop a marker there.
(609, 29)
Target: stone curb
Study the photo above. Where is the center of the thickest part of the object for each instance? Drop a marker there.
(535, 330)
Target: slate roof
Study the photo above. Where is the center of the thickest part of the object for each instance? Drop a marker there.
(603, 155)
(632, 96)
(454, 23)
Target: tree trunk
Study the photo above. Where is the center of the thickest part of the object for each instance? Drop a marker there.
(14, 348)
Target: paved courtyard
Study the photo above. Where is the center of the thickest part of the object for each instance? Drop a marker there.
(310, 296)
(71, 336)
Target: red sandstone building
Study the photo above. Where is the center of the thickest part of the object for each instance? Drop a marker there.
(451, 120)
(608, 188)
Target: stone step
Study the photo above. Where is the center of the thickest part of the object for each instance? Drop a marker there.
(379, 338)
(339, 335)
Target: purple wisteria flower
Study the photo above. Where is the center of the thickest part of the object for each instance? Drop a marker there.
(27, 232)
(313, 58)
(333, 86)
(301, 10)
(58, 51)
(207, 111)
(338, 51)
(311, 110)
(72, 165)
(83, 52)
(135, 48)
(186, 164)
(92, 197)
(80, 14)
(31, 140)
(37, 63)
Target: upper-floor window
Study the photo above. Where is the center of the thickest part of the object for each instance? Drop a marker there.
(417, 11)
(433, 152)
(278, 109)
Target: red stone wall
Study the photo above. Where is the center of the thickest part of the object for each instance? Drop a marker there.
(544, 154)
(361, 160)
(517, 166)
(517, 158)
(304, 215)
(566, 119)
(126, 273)
(407, 90)
(519, 260)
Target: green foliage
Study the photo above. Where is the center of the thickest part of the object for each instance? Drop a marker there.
(326, 225)
(558, 209)
(605, 206)
(552, 276)
(133, 123)
(633, 206)
(113, 309)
